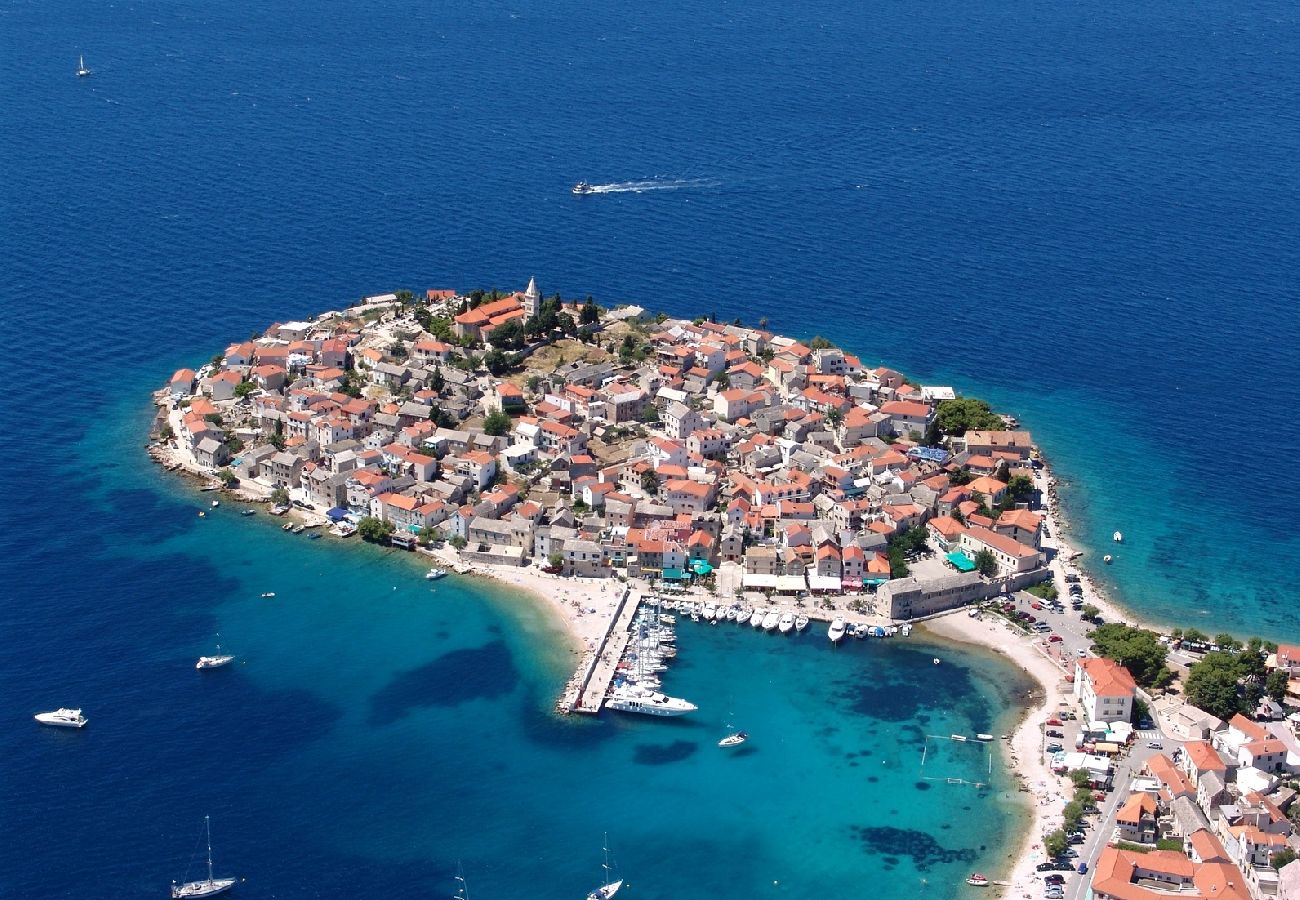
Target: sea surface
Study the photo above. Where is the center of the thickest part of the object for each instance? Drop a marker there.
(1085, 213)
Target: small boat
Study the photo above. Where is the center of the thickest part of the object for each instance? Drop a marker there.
(608, 888)
(62, 718)
(268, 595)
(216, 503)
(299, 528)
(207, 887)
(936, 661)
(435, 573)
(771, 620)
(710, 612)
(731, 613)
(215, 661)
(786, 623)
(202, 514)
(343, 530)
(583, 188)
(837, 629)
(983, 737)
(1107, 559)
(861, 631)
(800, 623)
(756, 619)
(287, 526)
(82, 71)
(734, 740)
(1118, 537)
(248, 512)
(978, 880)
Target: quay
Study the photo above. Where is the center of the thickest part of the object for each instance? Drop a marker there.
(592, 686)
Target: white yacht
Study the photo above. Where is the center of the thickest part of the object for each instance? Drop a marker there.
(62, 718)
(1118, 537)
(837, 629)
(786, 623)
(82, 71)
(734, 740)
(800, 623)
(629, 698)
(771, 620)
(435, 574)
(206, 887)
(214, 662)
(732, 613)
(756, 619)
(710, 611)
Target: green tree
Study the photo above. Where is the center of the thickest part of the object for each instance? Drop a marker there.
(280, 497)
(555, 561)
(497, 362)
(1282, 858)
(166, 433)
(1056, 843)
(227, 477)
(1020, 488)
(1196, 636)
(508, 335)
(1275, 685)
(1225, 641)
(1136, 649)
(986, 563)
(650, 413)
(244, 388)
(1212, 685)
(458, 541)
(497, 423)
(1080, 778)
(437, 381)
(819, 343)
(649, 483)
(958, 416)
(590, 313)
(374, 530)
(1089, 611)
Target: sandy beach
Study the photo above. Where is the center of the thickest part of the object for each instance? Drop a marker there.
(1047, 791)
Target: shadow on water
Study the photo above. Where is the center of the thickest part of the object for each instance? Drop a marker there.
(480, 673)
(663, 754)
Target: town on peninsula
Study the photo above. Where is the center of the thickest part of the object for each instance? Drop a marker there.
(606, 459)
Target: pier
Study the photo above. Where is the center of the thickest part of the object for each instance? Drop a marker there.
(589, 689)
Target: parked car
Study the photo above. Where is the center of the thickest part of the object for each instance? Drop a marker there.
(1054, 893)
(1054, 748)
(1068, 716)
(1035, 605)
(1076, 838)
(1083, 868)
(1053, 721)
(1046, 867)
(1054, 878)
(1081, 653)
(1054, 639)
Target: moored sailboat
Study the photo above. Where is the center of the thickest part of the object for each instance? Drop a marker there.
(608, 888)
(207, 887)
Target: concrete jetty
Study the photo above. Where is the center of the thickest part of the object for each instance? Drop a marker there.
(591, 689)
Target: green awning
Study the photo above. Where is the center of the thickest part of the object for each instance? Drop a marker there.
(960, 561)
(701, 567)
(674, 575)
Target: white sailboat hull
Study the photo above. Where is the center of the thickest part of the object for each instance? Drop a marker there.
(605, 892)
(213, 662)
(207, 888)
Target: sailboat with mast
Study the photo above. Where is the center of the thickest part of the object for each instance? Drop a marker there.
(82, 71)
(216, 661)
(207, 887)
(462, 889)
(609, 888)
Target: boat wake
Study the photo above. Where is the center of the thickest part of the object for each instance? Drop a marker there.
(652, 184)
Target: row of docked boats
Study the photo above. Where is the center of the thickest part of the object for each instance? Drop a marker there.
(636, 677)
(779, 620)
(840, 629)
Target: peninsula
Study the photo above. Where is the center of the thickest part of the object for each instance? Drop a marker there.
(592, 456)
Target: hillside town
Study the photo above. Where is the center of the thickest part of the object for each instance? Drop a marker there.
(618, 447)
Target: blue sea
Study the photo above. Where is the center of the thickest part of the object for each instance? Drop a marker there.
(1084, 213)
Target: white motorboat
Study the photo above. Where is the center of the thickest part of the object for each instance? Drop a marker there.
(216, 503)
(1107, 559)
(214, 662)
(837, 629)
(710, 611)
(62, 718)
(861, 631)
(207, 887)
(634, 699)
(267, 595)
(800, 623)
(756, 618)
(771, 620)
(786, 623)
(732, 612)
(82, 71)
(978, 880)
(583, 188)
(734, 740)
(608, 888)
(435, 574)
(248, 512)
(1118, 537)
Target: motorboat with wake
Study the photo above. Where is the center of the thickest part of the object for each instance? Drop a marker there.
(206, 887)
(62, 718)
(583, 188)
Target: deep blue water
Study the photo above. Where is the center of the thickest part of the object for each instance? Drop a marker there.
(1083, 212)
